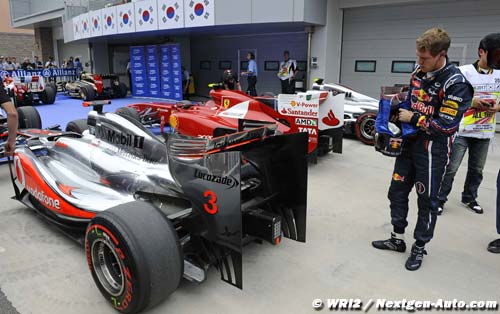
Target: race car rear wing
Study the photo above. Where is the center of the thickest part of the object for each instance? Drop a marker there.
(256, 191)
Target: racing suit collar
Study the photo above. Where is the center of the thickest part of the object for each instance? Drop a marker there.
(430, 75)
(481, 70)
(434, 74)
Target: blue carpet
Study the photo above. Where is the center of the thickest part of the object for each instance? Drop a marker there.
(66, 109)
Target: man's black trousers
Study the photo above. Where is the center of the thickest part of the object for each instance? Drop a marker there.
(288, 86)
(252, 81)
(422, 164)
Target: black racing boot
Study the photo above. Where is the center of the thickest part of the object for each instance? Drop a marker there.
(392, 244)
(414, 261)
(494, 246)
(440, 208)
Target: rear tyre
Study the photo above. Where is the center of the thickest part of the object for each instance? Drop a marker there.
(87, 93)
(27, 99)
(29, 118)
(53, 85)
(129, 112)
(365, 128)
(77, 126)
(134, 256)
(48, 96)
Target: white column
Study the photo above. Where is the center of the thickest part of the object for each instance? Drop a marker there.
(327, 45)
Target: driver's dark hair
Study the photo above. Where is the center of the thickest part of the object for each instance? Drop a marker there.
(490, 41)
(252, 55)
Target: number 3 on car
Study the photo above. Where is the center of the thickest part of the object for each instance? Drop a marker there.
(210, 206)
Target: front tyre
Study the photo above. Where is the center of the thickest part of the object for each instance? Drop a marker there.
(134, 256)
(365, 128)
(29, 118)
(77, 126)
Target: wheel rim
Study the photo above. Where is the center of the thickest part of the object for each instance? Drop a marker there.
(108, 267)
(82, 94)
(367, 126)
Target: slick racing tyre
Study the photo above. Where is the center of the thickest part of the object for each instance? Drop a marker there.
(129, 113)
(87, 93)
(53, 85)
(29, 118)
(48, 96)
(27, 99)
(77, 126)
(365, 128)
(134, 256)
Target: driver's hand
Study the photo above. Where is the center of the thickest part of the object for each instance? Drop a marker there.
(481, 104)
(405, 115)
(10, 146)
(494, 108)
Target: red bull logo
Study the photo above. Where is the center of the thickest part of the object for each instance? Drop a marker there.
(397, 177)
(421, 95)
(422, 108)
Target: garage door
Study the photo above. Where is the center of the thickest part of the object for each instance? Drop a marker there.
(378, 37)
(209, 56)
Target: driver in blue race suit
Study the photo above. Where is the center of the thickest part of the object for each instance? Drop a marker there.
(439, 95)
(11, 112)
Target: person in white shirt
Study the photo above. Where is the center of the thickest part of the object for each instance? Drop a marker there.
(17, 66)
(51, 63)
(477, 126)
(8, 65)
(287, 74)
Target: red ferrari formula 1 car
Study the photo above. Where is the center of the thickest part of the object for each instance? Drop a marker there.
(319, 113)
(151, 211)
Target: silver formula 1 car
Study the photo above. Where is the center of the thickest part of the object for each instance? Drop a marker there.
(360, 111)
(152, 210)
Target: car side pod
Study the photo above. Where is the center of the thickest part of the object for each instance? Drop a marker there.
(240, 194)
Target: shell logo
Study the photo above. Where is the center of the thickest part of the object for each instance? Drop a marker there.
(293, 103)
(174, 121)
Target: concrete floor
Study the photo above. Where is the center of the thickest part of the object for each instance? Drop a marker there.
(41, 271)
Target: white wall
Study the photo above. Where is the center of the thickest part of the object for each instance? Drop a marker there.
(265, 11)
(384, 34)
(76, 50)
(327, 45)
